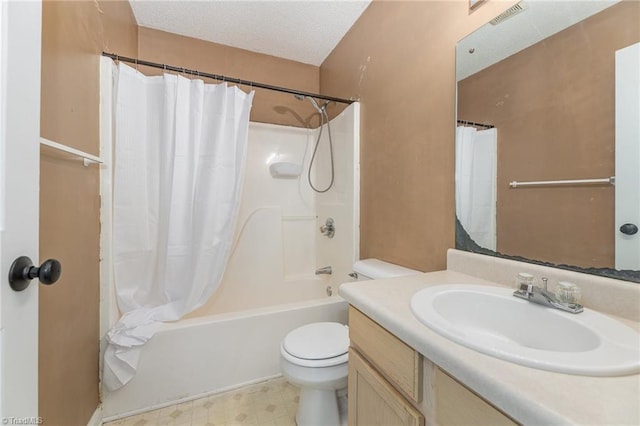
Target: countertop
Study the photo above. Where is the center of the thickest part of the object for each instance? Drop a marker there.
(528, 395)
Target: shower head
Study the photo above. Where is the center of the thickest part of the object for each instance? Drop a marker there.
(313, 102)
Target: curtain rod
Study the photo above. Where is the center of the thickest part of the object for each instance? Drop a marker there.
(223, 78)
(486, 126)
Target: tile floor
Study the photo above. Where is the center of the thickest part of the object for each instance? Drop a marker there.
(270, 403)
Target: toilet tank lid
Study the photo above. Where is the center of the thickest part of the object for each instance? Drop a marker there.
(376, 269)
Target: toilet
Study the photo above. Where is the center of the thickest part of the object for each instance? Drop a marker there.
(314, 357)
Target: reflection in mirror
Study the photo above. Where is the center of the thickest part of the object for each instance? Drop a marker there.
(548, 112)
(474, 4)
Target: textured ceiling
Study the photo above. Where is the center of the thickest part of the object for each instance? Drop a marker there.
(541, 19)
(301, 30)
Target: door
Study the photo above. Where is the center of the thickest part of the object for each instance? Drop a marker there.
(627, 205)
(20, 27)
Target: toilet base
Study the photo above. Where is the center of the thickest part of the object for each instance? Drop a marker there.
(318, 407)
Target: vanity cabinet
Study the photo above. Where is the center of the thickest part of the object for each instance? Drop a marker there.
(391, 384)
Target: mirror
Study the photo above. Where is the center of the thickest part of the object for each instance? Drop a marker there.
(547, 165)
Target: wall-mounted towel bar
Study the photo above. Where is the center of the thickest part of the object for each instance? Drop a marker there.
(609, 180)
(68, 152)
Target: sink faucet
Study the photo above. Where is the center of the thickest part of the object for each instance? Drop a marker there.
(326, 270)
(544, 297)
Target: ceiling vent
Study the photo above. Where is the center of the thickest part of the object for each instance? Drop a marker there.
(513, 10)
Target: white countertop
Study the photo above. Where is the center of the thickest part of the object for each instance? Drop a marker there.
(528, 395)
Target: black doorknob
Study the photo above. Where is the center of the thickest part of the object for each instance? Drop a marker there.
(22, 272)
(629, 229)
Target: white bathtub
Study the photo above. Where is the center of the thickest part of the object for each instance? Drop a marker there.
(196, 357)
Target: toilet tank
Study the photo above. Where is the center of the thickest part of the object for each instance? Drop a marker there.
(376, 269)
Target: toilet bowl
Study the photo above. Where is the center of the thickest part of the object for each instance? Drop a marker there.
(314, 357)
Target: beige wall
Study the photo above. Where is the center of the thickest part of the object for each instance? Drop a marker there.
(74, 33)
(268, 106)
(399, 60)
(556, 120)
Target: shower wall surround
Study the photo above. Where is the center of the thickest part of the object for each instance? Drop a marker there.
(278, 245)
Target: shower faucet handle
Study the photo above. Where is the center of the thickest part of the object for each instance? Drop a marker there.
(328, 229)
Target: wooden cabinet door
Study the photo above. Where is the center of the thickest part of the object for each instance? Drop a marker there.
(457, 405)
(373, 401)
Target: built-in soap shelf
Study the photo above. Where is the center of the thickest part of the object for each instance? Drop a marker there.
(285, 170)
(58, 150)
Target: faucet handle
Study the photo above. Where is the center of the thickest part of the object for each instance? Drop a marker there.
(523, 280)
(527, 287)
(328, 229)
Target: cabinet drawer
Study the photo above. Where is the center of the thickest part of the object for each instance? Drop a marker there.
(398, 362)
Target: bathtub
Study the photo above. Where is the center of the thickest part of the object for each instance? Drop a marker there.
(200, 356)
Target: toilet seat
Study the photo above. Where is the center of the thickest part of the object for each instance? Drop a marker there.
(321, 344)
(315, 363)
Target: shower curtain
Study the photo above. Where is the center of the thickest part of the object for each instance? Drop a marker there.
(180, 149)
(476, 159)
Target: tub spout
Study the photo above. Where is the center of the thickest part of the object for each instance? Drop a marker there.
(326, 270)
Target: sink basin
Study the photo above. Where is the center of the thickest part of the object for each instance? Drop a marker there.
(490, 320)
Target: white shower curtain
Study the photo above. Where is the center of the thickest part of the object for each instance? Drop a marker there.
(180, 149)
(476, 159)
